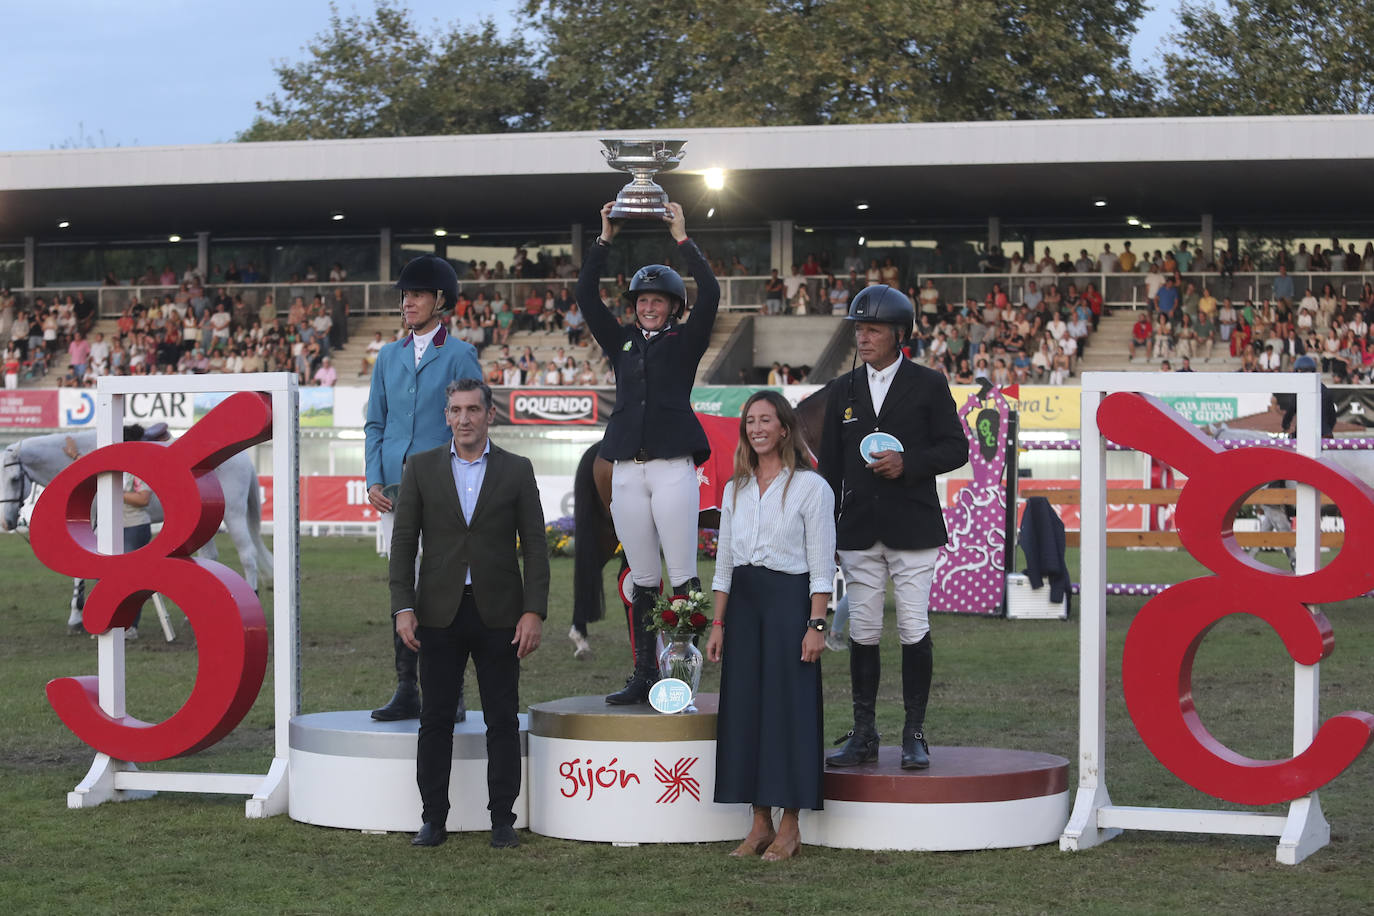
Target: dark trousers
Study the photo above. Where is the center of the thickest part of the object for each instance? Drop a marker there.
(444, 653)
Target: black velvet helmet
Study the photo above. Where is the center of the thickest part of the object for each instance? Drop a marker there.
(655, 278)
(429, 271)
(881, 304)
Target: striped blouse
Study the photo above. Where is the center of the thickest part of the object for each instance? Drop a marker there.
(795, 535)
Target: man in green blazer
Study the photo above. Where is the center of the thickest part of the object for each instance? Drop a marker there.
(470, 500)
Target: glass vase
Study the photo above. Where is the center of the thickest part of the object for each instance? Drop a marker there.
(682, 660)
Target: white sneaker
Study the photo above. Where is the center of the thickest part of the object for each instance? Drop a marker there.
(131, 634)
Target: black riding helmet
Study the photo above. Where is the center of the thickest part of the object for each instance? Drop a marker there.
(433, 273)
(656, 278)
(881, 304)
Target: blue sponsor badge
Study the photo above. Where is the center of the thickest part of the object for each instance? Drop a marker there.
(878, 442)
(670, 695)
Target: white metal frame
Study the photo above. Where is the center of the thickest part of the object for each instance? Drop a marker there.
(118, 780)
(1304, 829)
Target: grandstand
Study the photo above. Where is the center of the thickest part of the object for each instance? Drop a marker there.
(1223, 202)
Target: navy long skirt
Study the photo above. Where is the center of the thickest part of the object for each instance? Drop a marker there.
(768, 734)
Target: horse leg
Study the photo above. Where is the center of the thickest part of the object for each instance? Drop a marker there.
(77, 604)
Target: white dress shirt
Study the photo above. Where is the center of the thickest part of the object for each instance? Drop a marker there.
(467, 480)
(879, 380)
(422, 342)
(795, 534)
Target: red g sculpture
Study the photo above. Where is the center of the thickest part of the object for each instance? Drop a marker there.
(1157, 663)
(231, 631)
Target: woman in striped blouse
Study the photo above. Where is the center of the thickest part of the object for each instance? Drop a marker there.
(775, 570)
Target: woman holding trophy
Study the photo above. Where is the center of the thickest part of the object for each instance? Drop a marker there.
(653, 438)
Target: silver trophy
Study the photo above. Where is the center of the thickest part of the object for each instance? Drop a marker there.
(642, 198)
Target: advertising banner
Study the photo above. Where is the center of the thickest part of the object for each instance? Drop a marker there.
(1120, 517)
(553, 406)
(342, 499)
(29, 409)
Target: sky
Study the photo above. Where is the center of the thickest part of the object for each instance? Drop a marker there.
(170, 72)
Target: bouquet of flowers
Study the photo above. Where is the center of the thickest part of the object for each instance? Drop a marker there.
(682, 616)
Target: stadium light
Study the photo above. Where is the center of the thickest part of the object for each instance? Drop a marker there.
(862, 241)
(714, 178)
(336, 216)
(1100, 202)
(711, 212)
(174, 238)
(63, 224)
(860, 205)
(1133, 221)
(441, 232)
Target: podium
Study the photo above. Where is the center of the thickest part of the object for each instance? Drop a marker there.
(627, 774)
(969, 798)
(350, 771)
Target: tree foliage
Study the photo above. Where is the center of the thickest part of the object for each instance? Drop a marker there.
(1268, 57)
(381, 76)
(637, 64)
(628, 63)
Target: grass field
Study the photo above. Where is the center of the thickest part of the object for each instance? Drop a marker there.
(999, 683)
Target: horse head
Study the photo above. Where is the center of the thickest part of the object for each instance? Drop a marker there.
(14, 487)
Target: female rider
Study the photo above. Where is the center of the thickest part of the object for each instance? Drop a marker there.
(653, 438)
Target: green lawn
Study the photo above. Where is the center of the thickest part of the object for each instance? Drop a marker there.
(1000, 683)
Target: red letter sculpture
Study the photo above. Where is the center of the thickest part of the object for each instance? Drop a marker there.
(1157, 664)
(231, 631)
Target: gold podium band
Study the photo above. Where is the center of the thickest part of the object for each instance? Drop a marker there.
(590, 719)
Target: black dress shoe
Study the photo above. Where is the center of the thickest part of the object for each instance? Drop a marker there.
(430, 835)
(504, 837)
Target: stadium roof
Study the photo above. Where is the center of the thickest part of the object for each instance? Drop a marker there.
(1316, 170)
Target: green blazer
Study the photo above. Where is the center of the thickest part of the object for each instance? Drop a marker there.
(507, 507)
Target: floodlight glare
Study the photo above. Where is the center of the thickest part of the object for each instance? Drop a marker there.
(1100, 202)
(173, 238)
(441, 232)
(714, 178)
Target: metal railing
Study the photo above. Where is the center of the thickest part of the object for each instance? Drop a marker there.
(1122, 290)
(1119, 290)
(364, 298)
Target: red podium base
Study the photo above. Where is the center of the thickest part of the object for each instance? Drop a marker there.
(969, 798)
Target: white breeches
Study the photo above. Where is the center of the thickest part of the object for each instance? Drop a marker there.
(653, 505)
(866, 574)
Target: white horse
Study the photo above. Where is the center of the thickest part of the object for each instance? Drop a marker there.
(38, 459)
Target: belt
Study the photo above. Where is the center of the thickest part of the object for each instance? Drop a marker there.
(641, 456)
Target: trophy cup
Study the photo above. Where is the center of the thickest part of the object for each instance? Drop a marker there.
(642, 198)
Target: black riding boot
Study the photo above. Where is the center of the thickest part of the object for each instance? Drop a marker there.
(405, 702)
(861, 744)
(645, 672)
(917, 663)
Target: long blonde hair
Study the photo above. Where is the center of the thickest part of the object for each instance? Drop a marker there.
(790, 449)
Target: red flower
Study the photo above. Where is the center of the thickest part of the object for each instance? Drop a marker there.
(698, 619)
(670, 618)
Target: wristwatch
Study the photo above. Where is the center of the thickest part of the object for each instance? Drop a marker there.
(818, 624)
